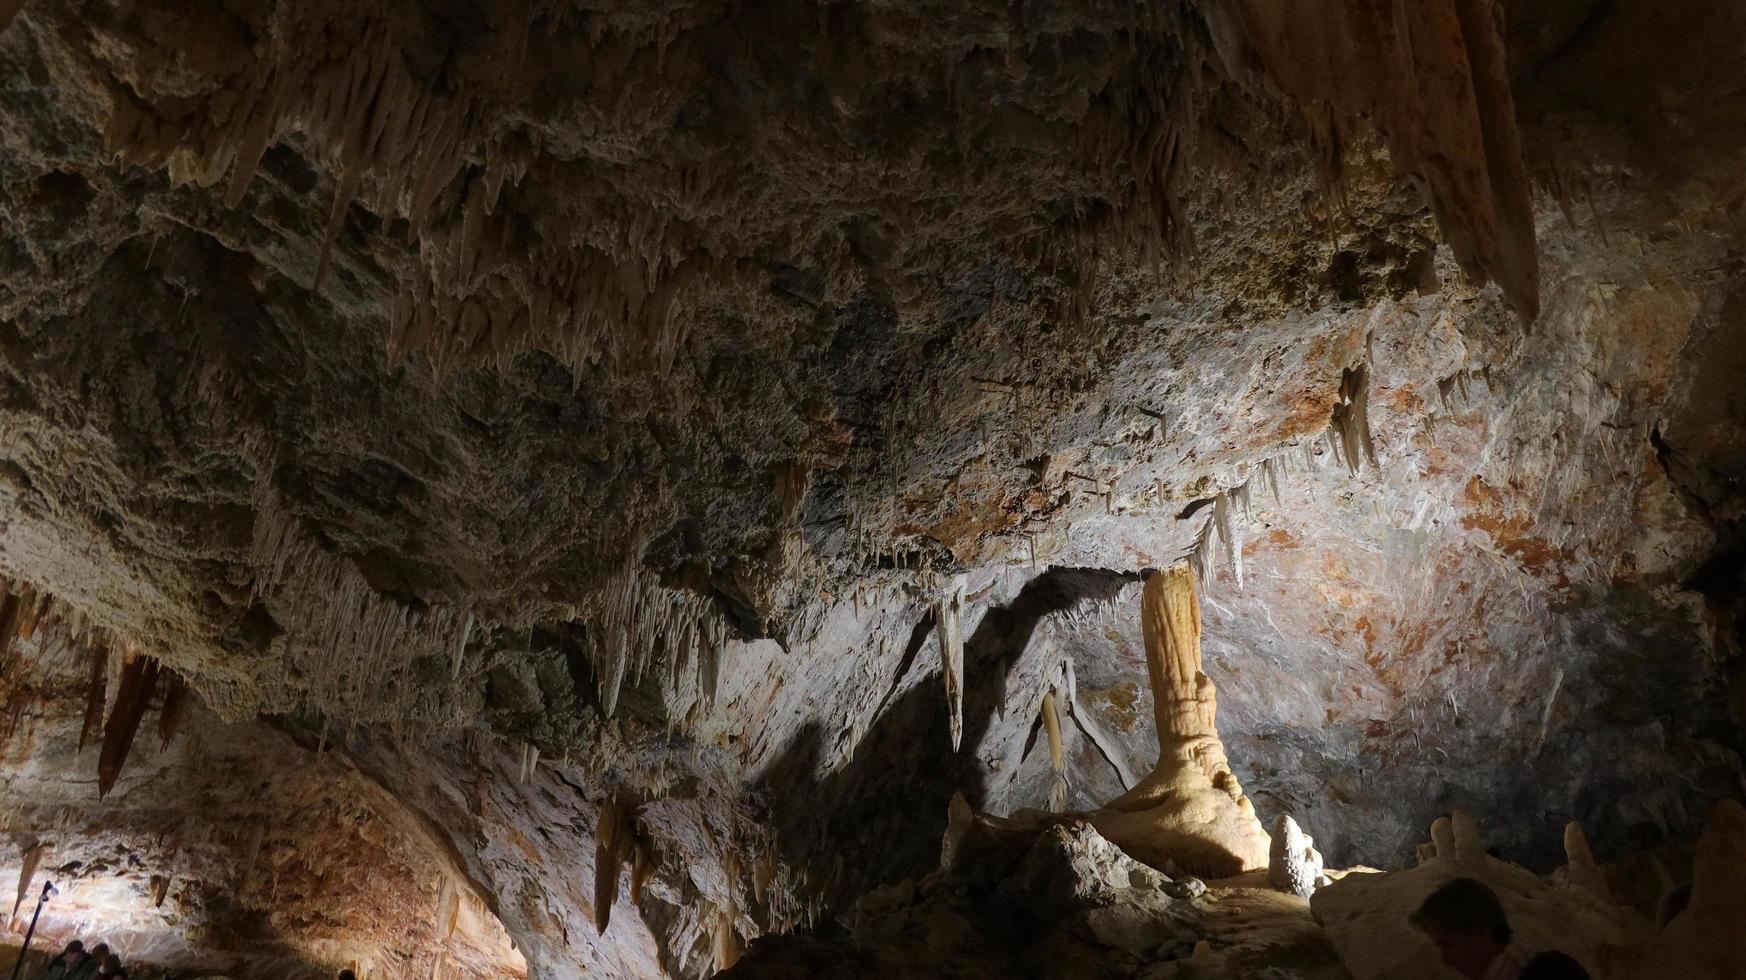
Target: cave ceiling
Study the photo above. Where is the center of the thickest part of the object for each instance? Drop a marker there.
(629, 382)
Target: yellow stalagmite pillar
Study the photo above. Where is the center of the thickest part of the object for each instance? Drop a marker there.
(1189, 814)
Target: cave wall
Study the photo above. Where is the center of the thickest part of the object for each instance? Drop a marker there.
(751, 337)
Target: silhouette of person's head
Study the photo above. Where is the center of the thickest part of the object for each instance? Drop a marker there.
(347, 975)
(74, 952)
(1554, 966)
(1467, 924)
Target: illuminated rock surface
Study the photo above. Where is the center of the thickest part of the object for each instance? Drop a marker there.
(448, 422)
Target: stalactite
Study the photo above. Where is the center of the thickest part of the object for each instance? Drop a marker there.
(642, 866)
(31, 607)
(1200, 557)
(1454, 126)
(139, 678)
(251, 853)
(763, 872)
(31, 858)
(614, 840)
(1351, 419)
(343, 637)
(118, 659)
(160, 889)
(94, 695)
(1088, 724)
(949, 629)
(633, 618)
(1270, 477)
(1230, 533)
(175, 706)
(724, 941)
(12, 602)
(528, 761)
(461, 648)
(1057, 757)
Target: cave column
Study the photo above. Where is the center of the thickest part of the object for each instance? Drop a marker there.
(1190, 814)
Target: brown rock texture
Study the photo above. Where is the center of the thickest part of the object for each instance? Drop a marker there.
(488, 412)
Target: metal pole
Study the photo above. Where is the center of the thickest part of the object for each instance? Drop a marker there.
(48, 888)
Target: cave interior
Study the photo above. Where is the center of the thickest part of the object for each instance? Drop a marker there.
(871, 488)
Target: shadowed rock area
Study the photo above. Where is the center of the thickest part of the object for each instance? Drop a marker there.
(543, 488)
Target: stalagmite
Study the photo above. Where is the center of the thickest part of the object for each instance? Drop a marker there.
(1580, 865)
(949, 629)
(1190, 810)
(1705, 941)
(139, 678)
(1362, 913)
(1443, 839)
(1294, 865)
(1469, 839)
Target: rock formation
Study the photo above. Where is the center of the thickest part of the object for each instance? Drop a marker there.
(1056, 901)
(1704, 942)
(1365, 914)
(1293, 863)
(949, 631)
(480, 410)
(1580, 868)
(1190, 813)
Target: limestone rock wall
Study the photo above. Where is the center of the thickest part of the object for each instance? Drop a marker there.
(583, 402)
